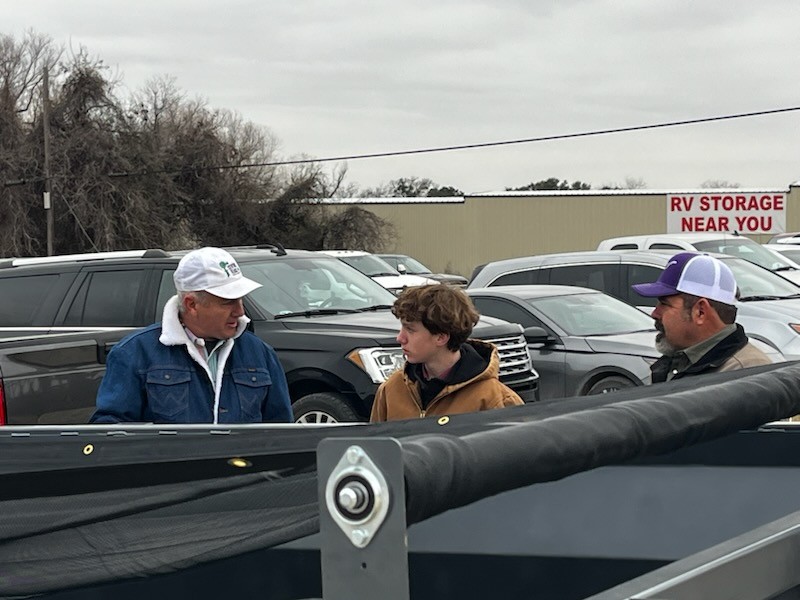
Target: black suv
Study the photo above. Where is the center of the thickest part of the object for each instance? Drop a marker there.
(329, 323)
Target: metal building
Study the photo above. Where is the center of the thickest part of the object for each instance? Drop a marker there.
(455, 234)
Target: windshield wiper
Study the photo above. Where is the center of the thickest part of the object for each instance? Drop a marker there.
(374, 307)
(314, 312)
(612, 333)
(384, 274)
(764, 297)
(784, 268)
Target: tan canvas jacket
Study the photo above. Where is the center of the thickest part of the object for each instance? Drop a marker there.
(398, 397)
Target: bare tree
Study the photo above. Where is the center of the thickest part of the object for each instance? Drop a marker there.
(360, 229)
(635, 183)
(21, 67)
(21, 215)
(631, 183)
(718, 184)
(151, 170)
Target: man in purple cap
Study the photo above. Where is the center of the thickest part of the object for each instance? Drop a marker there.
(695, 317)
(199, 364)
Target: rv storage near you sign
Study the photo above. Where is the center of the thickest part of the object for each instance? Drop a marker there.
(750, 212)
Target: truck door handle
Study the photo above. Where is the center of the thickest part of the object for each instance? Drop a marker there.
(103, 350)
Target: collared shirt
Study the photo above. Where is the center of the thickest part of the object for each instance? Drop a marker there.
(210, 356)
(686, 358)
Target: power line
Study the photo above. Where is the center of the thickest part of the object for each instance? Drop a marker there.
(529, 140)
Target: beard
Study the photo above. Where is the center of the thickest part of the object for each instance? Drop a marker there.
(662, 345)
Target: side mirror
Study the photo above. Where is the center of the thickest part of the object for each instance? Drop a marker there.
(537, 335)
(401, 268)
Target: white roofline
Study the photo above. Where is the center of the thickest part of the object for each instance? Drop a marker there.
(392, 200)
(728, 191)
(544, 193)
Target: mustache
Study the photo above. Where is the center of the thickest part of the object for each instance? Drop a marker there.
(659, 326)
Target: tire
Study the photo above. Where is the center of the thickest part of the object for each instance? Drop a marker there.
(324, 407)
(612, 383)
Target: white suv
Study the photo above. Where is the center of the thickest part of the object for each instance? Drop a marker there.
(723, 243)
(379, 270)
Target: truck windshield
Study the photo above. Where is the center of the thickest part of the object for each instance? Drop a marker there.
(413, 266)
(747, 249)
(303, 284)
(755, 281)
(371, 265)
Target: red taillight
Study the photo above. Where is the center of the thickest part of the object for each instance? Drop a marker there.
(2, 405)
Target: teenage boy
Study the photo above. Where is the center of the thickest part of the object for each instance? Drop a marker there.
(445, 373)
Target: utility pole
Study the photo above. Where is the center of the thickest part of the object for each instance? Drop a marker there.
(47, 183)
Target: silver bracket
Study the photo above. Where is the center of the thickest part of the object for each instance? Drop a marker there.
(364, 549)
(357, 496)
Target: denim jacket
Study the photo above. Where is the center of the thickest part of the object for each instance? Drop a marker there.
(156, 375)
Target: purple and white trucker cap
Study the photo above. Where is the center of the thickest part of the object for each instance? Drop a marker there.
(693, 273)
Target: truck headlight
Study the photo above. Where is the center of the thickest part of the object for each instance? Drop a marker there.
(378, 363)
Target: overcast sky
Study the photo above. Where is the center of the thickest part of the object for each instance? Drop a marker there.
(343, 77)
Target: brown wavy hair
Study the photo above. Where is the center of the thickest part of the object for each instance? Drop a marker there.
(441, 309)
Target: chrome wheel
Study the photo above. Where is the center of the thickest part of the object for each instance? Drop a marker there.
(315, 416)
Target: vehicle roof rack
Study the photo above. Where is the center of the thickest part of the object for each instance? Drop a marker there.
(61, 258)
(275, 248)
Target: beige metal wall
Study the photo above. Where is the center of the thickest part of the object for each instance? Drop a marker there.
(456, 237)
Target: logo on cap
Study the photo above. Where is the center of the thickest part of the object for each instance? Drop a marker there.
(230, 268)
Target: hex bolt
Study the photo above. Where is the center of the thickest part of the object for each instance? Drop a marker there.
(354, 455)
(359, 536)
(353, 497)
(349, 498)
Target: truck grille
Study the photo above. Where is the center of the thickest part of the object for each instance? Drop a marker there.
(515, 362)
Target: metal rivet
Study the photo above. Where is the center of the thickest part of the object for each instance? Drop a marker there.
(166, 376)
(88, 449)
(253, 379)
(443, 420)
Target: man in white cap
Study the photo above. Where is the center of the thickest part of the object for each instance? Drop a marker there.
(695, 317)
(199, 365)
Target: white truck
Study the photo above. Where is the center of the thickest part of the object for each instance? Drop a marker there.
(725, 243)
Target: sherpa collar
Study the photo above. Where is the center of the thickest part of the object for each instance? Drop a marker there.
(172, 333)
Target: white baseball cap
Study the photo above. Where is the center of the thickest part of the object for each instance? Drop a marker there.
(212, 270)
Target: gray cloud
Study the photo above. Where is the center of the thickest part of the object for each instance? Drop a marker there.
(333, 78)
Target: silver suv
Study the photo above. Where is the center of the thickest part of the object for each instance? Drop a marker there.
(769, 307)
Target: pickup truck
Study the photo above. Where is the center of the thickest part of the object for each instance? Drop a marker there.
(53, 379)
(330, 325)
(721, 242)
